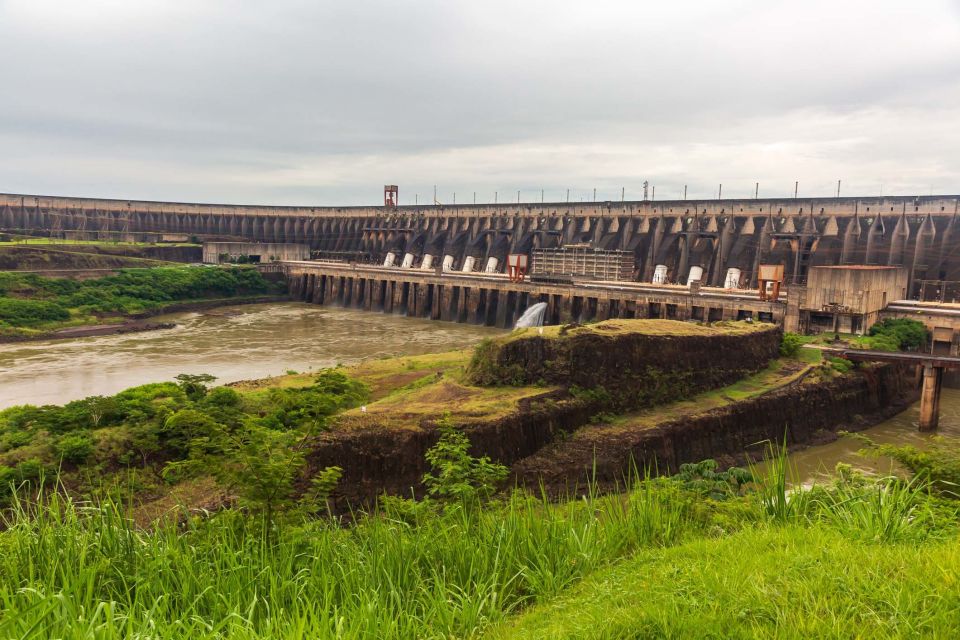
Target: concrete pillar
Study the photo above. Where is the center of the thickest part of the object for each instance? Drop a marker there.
(930, 398)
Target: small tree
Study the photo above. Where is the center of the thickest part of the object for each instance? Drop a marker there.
(456, 475)
(194, 385)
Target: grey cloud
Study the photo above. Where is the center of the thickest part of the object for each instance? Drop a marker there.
(299, 101)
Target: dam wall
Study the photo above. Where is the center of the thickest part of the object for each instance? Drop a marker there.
(916, 232)
(497, 302)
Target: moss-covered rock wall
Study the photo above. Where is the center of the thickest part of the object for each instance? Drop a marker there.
(635, 363)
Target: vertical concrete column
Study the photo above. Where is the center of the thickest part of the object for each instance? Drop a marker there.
(358, 291)
(566, 309)
(478, 307)
(436, 302)
(603, 309)
(502, 319)
(930, 398)
(372, 291)
(445, 300)
(388, 294)
(463, 306)
(318, 290)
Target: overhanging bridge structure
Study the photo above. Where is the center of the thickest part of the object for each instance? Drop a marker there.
(933, 368)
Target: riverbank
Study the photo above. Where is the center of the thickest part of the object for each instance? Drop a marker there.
(34, 307)
(233, 343)
(136, 323)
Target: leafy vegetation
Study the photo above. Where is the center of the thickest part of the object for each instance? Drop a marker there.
(30, 301)
(456, 475)
(790, 345)
(894, 334)
(167, 432)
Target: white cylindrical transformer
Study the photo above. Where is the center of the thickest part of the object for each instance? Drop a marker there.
(696, 273)
(491, 265)
(732, 280)
(407, 261)
(390, 259)
(448, 263)
(660, 274)
(427, 263)
(468, 263)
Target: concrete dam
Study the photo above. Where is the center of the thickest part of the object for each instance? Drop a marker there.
(668, 240)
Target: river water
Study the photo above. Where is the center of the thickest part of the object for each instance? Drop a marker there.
(233, 343)
(815, 462)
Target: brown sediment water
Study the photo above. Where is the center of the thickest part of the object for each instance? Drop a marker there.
(813, 464)
(233, 343)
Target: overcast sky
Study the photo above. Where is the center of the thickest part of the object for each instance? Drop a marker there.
(312, 102)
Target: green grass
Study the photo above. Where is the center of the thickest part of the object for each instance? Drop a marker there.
(640, 326)
(660, 561)
(762, 582)
(777, 374)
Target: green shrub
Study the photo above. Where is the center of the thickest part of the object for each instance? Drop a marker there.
(457, 476)
(840, 365)
(30, 313)
(74, 447)
(790, 345)
(908, 334)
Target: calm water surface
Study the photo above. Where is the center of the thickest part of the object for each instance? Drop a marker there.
(814, 463)
(232, 343)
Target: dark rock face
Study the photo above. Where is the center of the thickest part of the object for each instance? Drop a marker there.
(539, 442)
(636, 370)
(799, 414)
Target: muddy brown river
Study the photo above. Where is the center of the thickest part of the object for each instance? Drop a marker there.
(814, 463)
(233, 343)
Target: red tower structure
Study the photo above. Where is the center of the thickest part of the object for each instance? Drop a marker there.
(390, 192)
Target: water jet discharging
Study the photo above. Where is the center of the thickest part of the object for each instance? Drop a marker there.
(533, 316)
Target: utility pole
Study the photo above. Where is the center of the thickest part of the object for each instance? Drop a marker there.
(594, 194)
(541, 196)
(518, 196)
(720, 192)
(416, 199)
(684, 192)
(756, 191)
(454, 197)
(494, 197)
(568, 196)
(838, 188)
(474, 197)
(623, 193)
(654, 196)
(796, 188)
